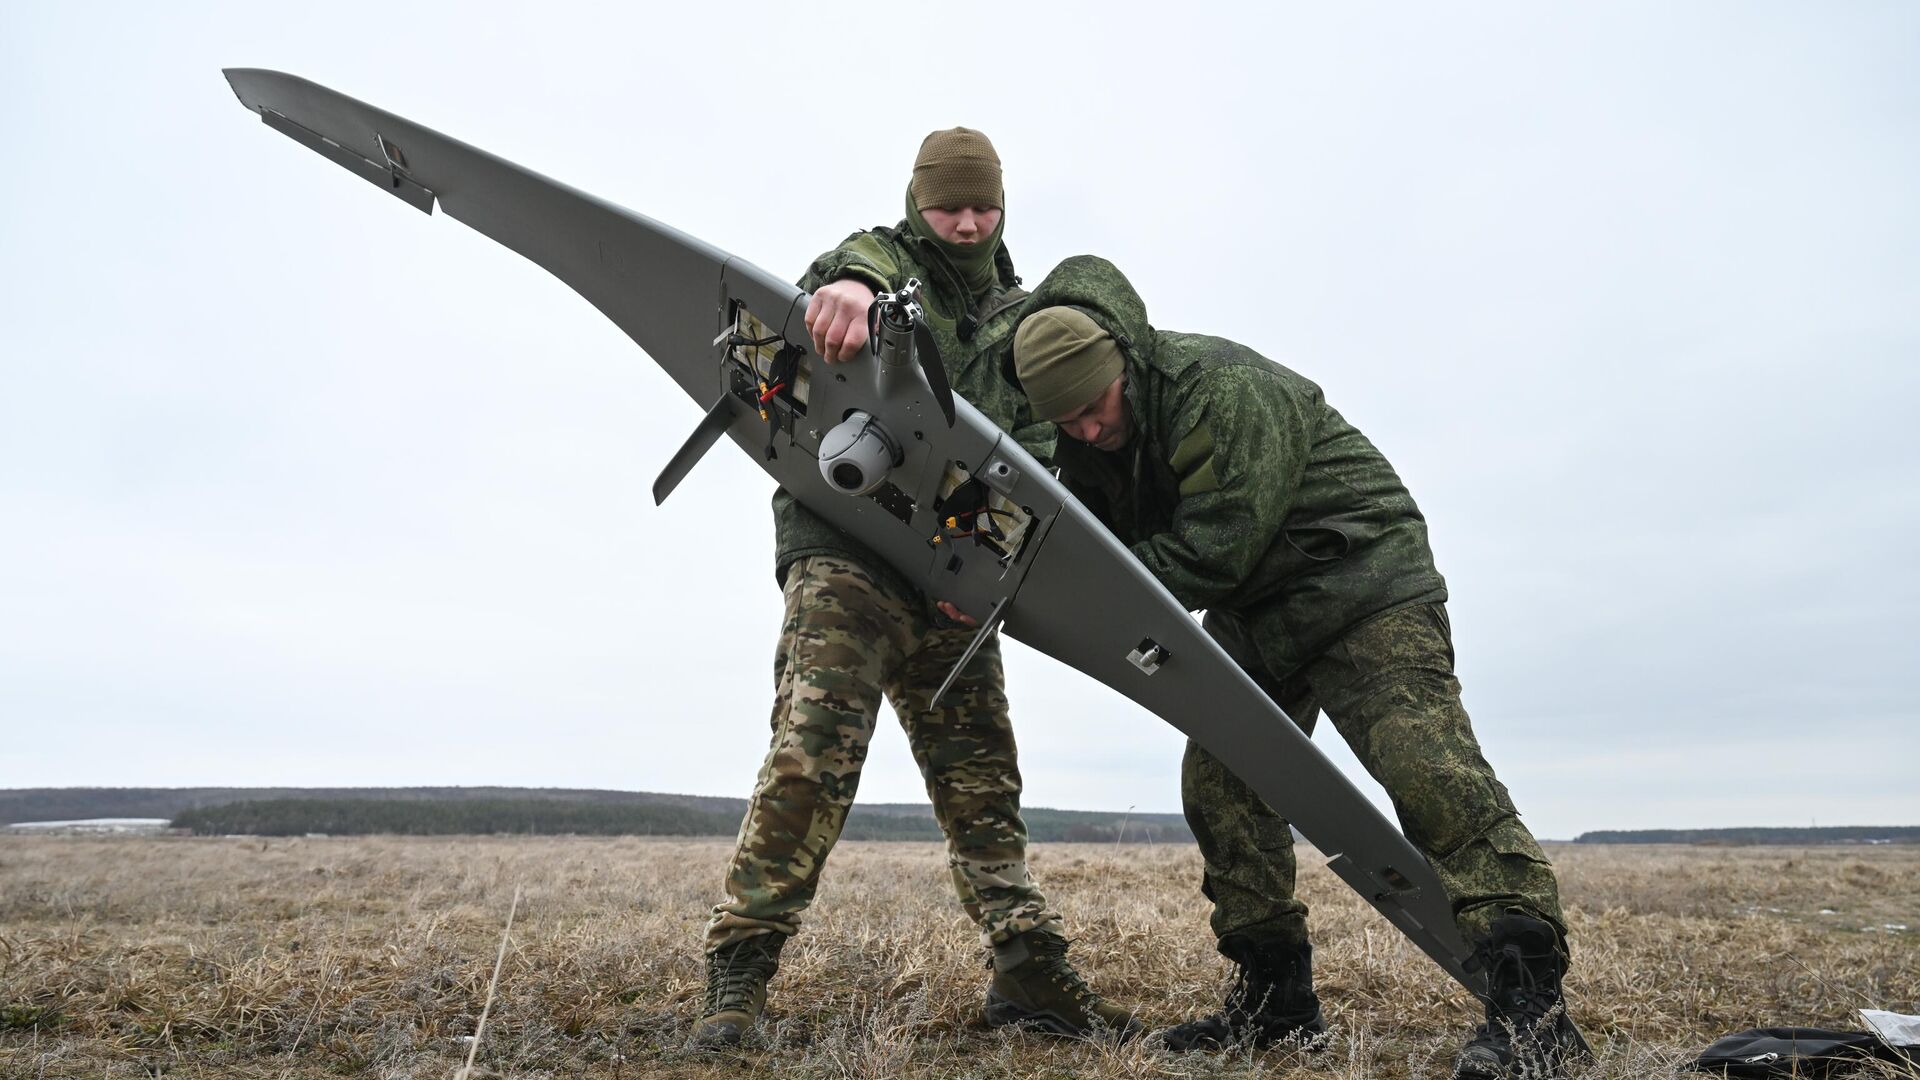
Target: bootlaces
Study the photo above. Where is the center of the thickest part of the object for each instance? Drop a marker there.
(1240, 1005)
(1051, 957)
(1518, 1001)
(733, 974)
(1261, 983)
(1529, 995)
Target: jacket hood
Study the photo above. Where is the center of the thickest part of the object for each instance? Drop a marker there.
(1098, 288)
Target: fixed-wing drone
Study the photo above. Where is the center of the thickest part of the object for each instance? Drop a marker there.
(881, 448)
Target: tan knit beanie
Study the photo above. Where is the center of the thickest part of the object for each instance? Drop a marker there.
(1064, 360)
(957, 167)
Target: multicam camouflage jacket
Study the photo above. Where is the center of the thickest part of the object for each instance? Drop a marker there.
(975, 336)
(1242, 490)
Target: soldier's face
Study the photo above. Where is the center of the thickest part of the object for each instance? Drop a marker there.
(1105, 423)
(962, 224)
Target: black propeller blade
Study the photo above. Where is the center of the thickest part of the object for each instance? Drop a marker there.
(930, 366)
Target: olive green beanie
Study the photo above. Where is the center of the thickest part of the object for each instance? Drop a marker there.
(957, 167)
(1064, 360)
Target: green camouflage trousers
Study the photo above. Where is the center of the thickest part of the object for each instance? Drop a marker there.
(1389, 688)
(846, 642)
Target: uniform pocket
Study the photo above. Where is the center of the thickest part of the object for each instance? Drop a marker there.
(1510, 837)
(1443, 627)
(1319, 543)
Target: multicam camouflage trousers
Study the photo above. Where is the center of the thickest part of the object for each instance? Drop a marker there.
(1389, 688)
(847, 641)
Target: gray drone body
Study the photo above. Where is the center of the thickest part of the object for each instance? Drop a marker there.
(880, 447)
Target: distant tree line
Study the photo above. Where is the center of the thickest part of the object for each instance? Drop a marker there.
(425, 817)
(67, 804)
(481, 816)
(1839, 834)
(716, 815)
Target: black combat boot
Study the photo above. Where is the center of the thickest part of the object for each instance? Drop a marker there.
(737, 975)
(1271, 1000)
(1528, 1034)
(1034, 986)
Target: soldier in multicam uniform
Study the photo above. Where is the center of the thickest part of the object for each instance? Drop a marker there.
(1247, 495)
(855, 630)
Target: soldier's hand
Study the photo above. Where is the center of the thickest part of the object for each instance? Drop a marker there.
(837, 319)
(956, 614)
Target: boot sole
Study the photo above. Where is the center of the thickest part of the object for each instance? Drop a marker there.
(1004, 1013)
(722, 1036)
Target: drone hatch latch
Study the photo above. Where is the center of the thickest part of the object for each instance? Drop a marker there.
(1148, 655)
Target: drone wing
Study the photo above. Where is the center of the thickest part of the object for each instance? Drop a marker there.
(731, 336)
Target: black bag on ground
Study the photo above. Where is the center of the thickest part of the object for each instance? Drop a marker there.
(1790, 1051)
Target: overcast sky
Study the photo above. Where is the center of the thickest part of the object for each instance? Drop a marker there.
(299, 486)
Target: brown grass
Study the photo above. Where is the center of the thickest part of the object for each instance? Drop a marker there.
(311, 958)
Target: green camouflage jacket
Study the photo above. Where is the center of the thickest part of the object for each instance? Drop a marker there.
(975, 336)
(1242, 490)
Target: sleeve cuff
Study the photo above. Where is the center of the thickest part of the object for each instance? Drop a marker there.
(866, 275)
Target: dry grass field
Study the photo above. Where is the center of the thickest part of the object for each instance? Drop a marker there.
(329, 957)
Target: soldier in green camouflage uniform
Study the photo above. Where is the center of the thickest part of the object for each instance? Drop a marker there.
(856, 630)
(1247, 495)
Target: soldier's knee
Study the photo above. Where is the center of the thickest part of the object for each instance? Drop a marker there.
(1430, 759)
(804, 780)
(1206, 778)
(1446, 803)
